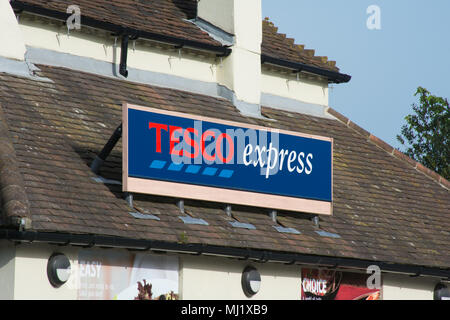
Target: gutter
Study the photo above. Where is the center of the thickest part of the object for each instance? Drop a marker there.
(332, 76)
(220, 51)
(88, 241)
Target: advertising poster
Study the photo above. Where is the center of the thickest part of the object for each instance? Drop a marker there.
(336, 285)
(116, 275)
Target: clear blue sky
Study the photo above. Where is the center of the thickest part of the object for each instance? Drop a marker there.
(412, 49)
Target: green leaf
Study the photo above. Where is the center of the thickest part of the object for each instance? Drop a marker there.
(426, 134)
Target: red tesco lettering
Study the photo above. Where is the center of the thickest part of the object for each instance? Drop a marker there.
(191, 139)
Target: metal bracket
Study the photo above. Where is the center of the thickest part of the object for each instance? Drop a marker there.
(180, 205)
(228, 210)
(98, 161)
(273, 215)
(129, 199)
(316, 221)
(225, 54)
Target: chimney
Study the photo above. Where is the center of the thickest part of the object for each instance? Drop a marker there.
(241, 71)
(11, 39)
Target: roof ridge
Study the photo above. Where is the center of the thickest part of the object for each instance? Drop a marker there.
(390, 149)
(300, 48)
(269, 23)
(15, 207)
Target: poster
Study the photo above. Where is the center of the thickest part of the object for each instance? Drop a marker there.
(336, 285)
(122, 275)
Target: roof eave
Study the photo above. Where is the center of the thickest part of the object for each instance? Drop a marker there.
(332, 76)
(89, 240)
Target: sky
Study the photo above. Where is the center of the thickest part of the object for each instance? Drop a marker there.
(411, 49)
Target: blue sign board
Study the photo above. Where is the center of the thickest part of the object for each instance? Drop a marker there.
(187, 150)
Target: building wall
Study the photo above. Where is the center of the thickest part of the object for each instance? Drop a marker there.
(220, 279)
(10, 36)
(146, 56)
(401, 287)
(23, 268)
(301, 89)
(23, 275)
(100, 46)
(30, 279)
(7, 270)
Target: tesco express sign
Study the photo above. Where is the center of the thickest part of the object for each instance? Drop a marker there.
(186, 156)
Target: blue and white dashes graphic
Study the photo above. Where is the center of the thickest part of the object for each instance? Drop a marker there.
(192, 168)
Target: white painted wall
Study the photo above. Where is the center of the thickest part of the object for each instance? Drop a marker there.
(220, 279)
(23, 275)
(31, 281)
(213, 12)
(401, 287)
(288, 86)
(200, 277)
(248, 25)
(11, 39)
(101, 47)
(241, 71)
(7, 270)
(243, 19)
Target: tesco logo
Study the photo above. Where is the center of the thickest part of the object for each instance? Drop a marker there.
(197, 143)
(249, 147)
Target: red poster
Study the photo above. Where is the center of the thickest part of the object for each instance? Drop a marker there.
(336, 285)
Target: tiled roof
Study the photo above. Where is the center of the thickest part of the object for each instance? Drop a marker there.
(169, 18)
(277, 45)
(13, 198)
(166, 17)
(384, 208)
